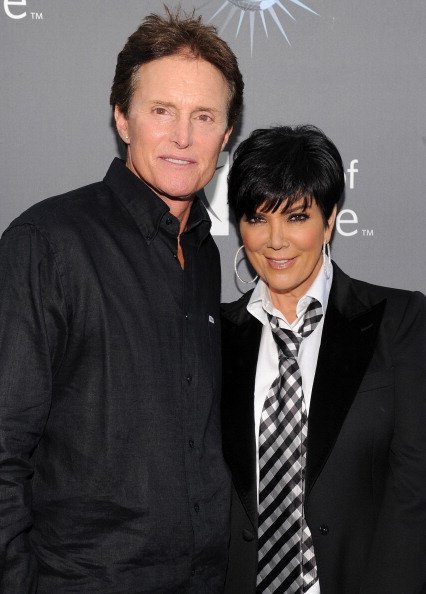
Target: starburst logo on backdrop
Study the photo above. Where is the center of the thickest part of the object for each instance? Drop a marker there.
(259, 7)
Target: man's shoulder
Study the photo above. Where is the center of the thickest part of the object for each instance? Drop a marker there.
(64, 209)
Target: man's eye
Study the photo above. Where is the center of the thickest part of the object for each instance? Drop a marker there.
(160, 110)
(204, 117)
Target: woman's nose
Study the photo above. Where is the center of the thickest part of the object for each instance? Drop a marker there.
(277, 238)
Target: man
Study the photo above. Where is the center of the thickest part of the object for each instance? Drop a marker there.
(111, 471)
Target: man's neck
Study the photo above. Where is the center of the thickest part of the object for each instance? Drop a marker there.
(181, 210)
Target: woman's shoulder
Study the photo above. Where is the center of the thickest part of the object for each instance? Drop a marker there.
(371, 293)
(394, 296)
(404, 310)
(236, 311)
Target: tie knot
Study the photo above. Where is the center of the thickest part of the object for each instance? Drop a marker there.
(289, 342)
(311, 318)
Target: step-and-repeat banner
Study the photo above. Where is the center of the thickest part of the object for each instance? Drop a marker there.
(356, 69)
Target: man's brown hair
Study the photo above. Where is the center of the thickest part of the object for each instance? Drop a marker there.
(175, 33)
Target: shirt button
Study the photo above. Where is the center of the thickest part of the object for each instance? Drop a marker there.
(196, 508)
(193, 572)
(189, 378)
(191, 443)
(169, 221)
(324, 529)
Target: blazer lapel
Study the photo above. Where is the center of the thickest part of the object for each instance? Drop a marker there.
(347, 345)
(241, 347)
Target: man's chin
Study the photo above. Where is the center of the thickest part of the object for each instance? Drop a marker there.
(163, 193)
(175, 196)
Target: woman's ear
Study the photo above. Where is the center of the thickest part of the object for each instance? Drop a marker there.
(330, 224)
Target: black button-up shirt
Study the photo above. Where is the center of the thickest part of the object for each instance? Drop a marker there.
(111, 470)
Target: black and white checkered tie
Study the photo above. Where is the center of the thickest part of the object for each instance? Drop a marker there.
(286, 561)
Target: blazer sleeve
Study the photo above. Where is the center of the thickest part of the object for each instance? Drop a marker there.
(397, 563)
(32, 340)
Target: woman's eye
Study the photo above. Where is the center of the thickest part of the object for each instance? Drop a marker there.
(298, 217)
(255, 220)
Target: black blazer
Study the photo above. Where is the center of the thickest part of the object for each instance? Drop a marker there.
(366, 455)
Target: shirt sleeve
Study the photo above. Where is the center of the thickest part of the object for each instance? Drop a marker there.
(397, 558)
(33, 332)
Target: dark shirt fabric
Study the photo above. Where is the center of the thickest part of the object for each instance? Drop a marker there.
(112, 478)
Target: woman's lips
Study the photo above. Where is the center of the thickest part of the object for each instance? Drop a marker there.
(280, 264)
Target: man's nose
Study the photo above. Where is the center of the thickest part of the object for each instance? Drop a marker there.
(182, 132)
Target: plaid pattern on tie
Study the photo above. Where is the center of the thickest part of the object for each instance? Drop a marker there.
(286, 561)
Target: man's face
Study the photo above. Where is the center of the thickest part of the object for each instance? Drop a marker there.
(176, 125)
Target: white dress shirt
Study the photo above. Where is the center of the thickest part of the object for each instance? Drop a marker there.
(260, 306)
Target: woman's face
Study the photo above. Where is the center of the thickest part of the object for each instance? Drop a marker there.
(285, 248)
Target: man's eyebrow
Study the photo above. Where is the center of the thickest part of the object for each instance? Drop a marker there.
(173, 105)
(211, 109)
(161, 102)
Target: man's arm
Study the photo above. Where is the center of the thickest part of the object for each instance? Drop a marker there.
(32, 339)
(398, 555)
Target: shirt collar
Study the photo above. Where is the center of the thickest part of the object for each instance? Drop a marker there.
(147, 209)
(260, 304)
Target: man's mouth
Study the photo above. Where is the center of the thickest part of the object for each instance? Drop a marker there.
(176, 161)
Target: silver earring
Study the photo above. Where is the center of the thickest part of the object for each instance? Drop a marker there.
(328, 267)
(246, 282)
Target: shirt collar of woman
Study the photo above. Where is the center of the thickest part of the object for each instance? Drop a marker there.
(260, 304)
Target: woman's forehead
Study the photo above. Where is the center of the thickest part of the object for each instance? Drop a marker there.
(278, 204)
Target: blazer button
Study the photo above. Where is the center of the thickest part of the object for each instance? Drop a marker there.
(248, 535)
(324, 529)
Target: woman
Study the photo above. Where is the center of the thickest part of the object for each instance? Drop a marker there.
(324, 404)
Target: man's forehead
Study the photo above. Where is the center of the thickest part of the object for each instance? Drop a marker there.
(179, 63)
(167, 82)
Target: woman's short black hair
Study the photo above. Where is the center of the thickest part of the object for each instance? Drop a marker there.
(276, 167)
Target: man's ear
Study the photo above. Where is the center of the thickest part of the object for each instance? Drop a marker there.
(226, 137)
(121, 124)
